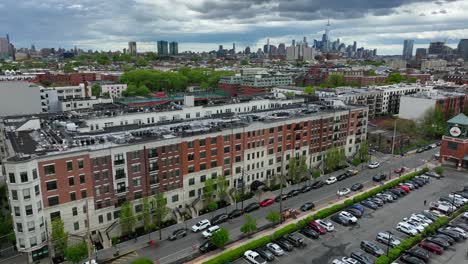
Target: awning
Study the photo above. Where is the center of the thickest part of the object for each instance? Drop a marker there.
(256, 185)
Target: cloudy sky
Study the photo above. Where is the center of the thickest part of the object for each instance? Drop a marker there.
(204, 24)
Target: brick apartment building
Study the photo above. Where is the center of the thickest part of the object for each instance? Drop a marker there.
(247, 85)
(85, 167)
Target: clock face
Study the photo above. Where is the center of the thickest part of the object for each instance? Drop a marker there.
(455, 131)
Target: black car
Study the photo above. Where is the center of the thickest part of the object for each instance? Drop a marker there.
(429, 215)
(294, 239)
(377, 201)
(450, 240)
(407, 258)
(251, 207)
(284, 244)
(342, 177)
(456, 236)
(178, 234)
(396, 192)
(371, 248)
(361, 257)
(306, 188)
(355, 212)
(281, 197)
(235, 213)
(309, 232)
(438, 241)
(293, 193)
(370, 204)
(420, 253)
(459, 225)
(307, 206)
(207, 246)
(221, 218)
(394, 196)
(357, 187)
(265, 253)
(317, 184)
(339, 219)
(401, 191)
(379, 177)
(420, 150)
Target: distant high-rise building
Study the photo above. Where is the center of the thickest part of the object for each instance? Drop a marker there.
(220, 48)
(163, 48)
(421, 53)
(234, 48)
(247, 50)
(463, 49)
(173, 48)
(439, 48)
(282, 49)
(354, 46)
(408, 49)
(132, 48)
(4, 48)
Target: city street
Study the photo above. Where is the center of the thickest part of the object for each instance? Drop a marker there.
(168, 251)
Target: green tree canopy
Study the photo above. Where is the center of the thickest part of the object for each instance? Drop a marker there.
(208, 190)
(142, 261)
(59, 236)
(127, 218)
(96, 90)
(433, 123)
(249, 226)
(273, 216)
(76, 253)
(220, 237)
(395, 77)
(160, 210)
(309, 90)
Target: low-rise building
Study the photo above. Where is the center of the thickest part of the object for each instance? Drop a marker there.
(454, 145)
(253, 84)
(416, 105)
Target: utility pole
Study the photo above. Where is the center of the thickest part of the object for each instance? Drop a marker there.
(394, 134)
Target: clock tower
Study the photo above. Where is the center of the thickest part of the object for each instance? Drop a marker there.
(454, 145)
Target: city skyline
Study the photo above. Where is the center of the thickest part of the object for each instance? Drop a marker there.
(374, 25)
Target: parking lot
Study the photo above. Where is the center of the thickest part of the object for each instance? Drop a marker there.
(344, 240)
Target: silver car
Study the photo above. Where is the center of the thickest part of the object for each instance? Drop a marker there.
(275, 249)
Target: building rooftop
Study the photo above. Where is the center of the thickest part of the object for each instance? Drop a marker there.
(461, 119)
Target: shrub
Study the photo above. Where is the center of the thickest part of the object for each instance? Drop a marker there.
(142, 261)
(285, 230)
(439, 170)
(355, 162)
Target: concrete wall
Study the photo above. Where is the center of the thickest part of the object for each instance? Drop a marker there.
(17, 98)
(414, 108)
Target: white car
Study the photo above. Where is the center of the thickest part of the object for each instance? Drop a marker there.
(325, 224)
(275, 249)
(465, 216)
(347, 260)
(458, 197)
(210, 231)
(373, 165)
(331, 180)
(462, 232)
(343, 191)
(415, 225)
(203, 224)
(415, 221)
(254, 257)
(422, 217)
(406, 229)
(347, 215)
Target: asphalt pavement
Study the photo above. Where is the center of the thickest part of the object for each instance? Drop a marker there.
(169, 251)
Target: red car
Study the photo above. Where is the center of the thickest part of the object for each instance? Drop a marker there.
(404, 188)
(431, 247)
(399, 170)
(317, 227)
(266, 202)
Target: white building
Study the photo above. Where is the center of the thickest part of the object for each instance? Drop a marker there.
(81, 103)
(434, 65)
(114, 90)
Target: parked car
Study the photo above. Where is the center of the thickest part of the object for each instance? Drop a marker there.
(379, 177)
(446, 238)
(342, 177)
(251, 207)
(369, 204)
(377, 201)
(348, 216)
(361, 257)
(406, 229)
(306, 188)
(309, 232)
(354, 212)
(317, 227)
(293, 193)
(331, 180)
(352, 172)
(307, 206)
(451, 234)
(275, 249)
(387, 238)
(373, 165)
(206, 246)
(404, 188)
(407, 258)
(176, 234)
(281, 197)
(339, 219)
(265, 253)
(325, 224)
(203, 224)
(357, 187)
(253, 257)
(433, 174)
(419, 253)
(420, 150)
(371, 248)
(218, 219)
(210, 231)
(347, 260)
(284, 244)
(358, 207)
(431, 247)
(266, 202)
(235, 213)
(438, 241)
(343, 191)
(295, 240)
(317, 184)
(399, 170)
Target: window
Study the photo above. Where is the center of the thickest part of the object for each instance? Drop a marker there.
(175, 198)
(137, 182)
(39, 206)
(19, 227)
(190, 156)
(31, 226)
(11, 176)
(226, 149)
(109, 216)
(191, 169)
(136, 168)
(203, 154)
(202, 142)
(75, 211)
(54, 215)
(71, 181)
(76, 225)
(72, 196)
(106, 188)
(213, 152)
(53, 200)
(214, 164)
(213, 140)
(203, 178)
(191, 181)
(51, 185)
(119, 159)
(14, 195)
(33, 241)
(452, 145)
(82, 178)
(26, 194)
(24, 176)
(97, 190)
(95, 162)
(190, 144)
(203, 166)
(69, 165)
(36, 190)
(49, 169)
(17, 211)
(192, 193)
(136, 154)
(101, 219)
(29, 210)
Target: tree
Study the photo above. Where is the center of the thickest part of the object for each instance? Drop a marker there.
(68, 68)
(433, 123)
(395, 77)
(76, 253)
(146, 214)
(96, 90)
(315, 173)
(363, 151)
(141, 62)
(142, 261)
(127, 218)
(222, 185)
(249, 226)
(292, 169)
(204, 86)
(59, 236)
(160, 211)
(208, 190)
(412, 80)
(335, 80)
(302, 166)
(244, 62)
(289, 94)
(308, 90)
(220, 237)
(273, 216)
(439, 170)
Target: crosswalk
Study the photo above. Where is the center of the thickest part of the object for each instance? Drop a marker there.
(126, 259)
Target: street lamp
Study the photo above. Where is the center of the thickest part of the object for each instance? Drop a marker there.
(390, 237)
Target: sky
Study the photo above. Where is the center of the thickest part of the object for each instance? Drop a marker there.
(202, 25)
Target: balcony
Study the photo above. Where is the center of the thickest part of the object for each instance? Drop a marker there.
(120, 176)
(359, 124)
(119, 162)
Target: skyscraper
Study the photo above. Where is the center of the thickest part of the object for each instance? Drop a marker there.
(132, 48)
(421, 53)
(173, 48)
(163, 48)
(247, 50)
(408, 49)
(354, 46)
(463, 49)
